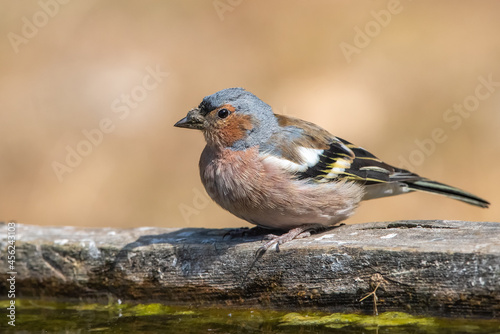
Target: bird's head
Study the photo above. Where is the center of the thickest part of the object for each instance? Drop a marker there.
(232, 118)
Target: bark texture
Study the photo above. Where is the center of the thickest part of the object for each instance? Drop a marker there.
(444, 268)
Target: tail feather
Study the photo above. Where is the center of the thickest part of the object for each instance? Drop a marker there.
(448, 191)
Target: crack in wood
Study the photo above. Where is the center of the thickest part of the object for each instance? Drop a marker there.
(408, 225)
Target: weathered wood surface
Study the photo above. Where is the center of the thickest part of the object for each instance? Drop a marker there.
(446, 268)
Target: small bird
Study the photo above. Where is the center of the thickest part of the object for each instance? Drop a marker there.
(284, 173)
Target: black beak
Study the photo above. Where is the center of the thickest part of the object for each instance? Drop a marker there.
(193, 120)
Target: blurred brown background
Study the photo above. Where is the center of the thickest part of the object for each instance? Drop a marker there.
(382, 74)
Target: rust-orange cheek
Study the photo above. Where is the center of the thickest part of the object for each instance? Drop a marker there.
(232, 129)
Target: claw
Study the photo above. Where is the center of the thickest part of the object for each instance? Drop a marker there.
(296, 233)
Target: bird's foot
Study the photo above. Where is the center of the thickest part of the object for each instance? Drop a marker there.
(300, 232)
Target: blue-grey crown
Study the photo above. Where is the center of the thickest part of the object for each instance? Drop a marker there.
(242, 100)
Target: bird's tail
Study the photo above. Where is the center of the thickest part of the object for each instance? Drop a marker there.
(446, 190)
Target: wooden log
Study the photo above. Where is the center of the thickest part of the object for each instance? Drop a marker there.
(441, 268)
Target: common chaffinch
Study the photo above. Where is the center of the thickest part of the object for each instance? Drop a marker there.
(280, 172)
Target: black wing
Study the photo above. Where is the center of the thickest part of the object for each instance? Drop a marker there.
(343, 160)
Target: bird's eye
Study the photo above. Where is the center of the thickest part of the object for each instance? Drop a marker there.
(223, 113)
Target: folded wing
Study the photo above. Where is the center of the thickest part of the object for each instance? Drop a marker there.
(310, 153)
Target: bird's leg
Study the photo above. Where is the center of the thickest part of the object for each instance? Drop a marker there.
(300, 232)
